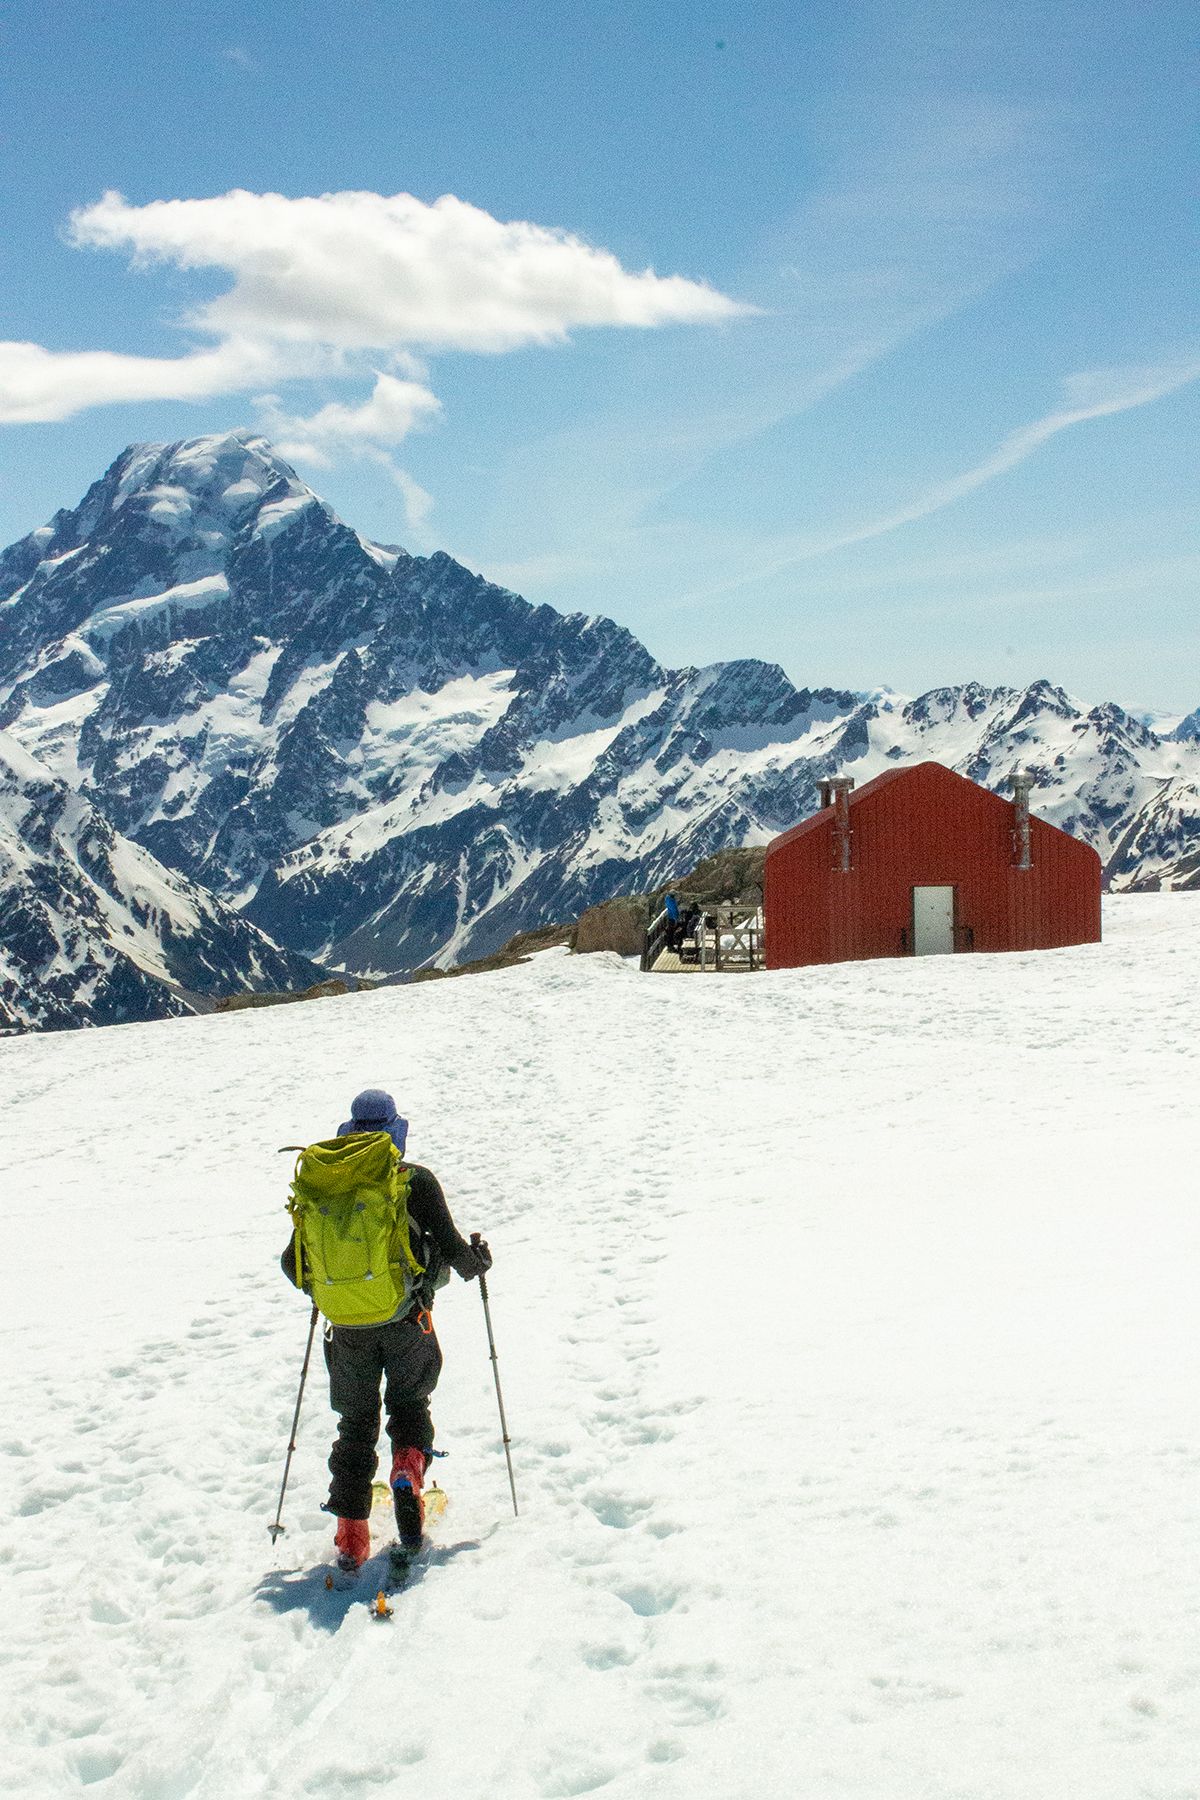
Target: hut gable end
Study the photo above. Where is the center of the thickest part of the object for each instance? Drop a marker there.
(924, 827)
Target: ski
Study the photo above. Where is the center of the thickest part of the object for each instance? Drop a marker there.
(400, 1563)
(404, 1562)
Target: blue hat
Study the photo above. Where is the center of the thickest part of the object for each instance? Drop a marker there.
(375, 1105)
(373, 1110)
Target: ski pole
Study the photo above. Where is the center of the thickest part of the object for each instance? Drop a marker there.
(487, 1314)
(278, 1526)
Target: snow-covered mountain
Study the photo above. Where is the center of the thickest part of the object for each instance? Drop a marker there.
(386, 760)
(95, 930)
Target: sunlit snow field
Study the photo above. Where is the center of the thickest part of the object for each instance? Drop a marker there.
(848, 1323)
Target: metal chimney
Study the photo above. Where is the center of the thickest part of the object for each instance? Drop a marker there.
(838, 788)
(1022, 782)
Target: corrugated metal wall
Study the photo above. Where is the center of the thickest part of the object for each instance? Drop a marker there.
(925, 826)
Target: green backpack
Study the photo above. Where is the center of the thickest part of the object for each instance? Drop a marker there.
(349, 1203)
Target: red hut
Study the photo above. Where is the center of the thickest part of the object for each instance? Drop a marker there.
(922, 861)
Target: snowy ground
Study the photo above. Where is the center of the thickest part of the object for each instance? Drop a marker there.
(848, 1320)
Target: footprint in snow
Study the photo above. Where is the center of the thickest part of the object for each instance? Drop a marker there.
(684, 1705)
(898, 1690)
(43, 1499)
(98, 1764)
(606, 1656)
(616, 1511)
(575, 1776)
(648, 1600)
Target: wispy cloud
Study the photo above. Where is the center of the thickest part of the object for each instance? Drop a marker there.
(38, 384)
(339, 274)
(418, 504)
(370, 431)
(1093, 394)
(394, 409)
(905, 224)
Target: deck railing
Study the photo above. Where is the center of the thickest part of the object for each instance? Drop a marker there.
(730, 935)
(657, 930)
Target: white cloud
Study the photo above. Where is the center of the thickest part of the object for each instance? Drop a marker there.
(394, 409)
(316, 279)
(371, 271)
(371, 430)
(39, 384)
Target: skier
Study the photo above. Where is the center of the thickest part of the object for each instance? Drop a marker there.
(404, 1352)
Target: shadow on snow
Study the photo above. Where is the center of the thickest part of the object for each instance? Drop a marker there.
(305, 1590)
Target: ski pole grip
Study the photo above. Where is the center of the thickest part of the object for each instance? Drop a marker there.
(476, 1240)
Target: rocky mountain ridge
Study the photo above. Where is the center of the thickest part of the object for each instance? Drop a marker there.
(386, 761)
(96, 931)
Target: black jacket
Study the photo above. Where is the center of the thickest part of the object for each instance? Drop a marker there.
(429, 1214)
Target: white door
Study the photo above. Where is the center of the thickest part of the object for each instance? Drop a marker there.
(933, 921)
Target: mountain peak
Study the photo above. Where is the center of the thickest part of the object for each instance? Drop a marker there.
(231, 470)
(189, 501)
(204, 452)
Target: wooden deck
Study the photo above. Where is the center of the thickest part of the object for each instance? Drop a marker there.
(731, 943)
(668, 963)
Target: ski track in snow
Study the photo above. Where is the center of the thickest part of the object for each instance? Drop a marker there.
(847, 1325)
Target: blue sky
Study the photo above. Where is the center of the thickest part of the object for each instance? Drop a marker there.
(911, 396)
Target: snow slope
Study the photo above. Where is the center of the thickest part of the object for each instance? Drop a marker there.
(847, 1321)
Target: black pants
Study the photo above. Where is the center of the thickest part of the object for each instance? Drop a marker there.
(409, 1362)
